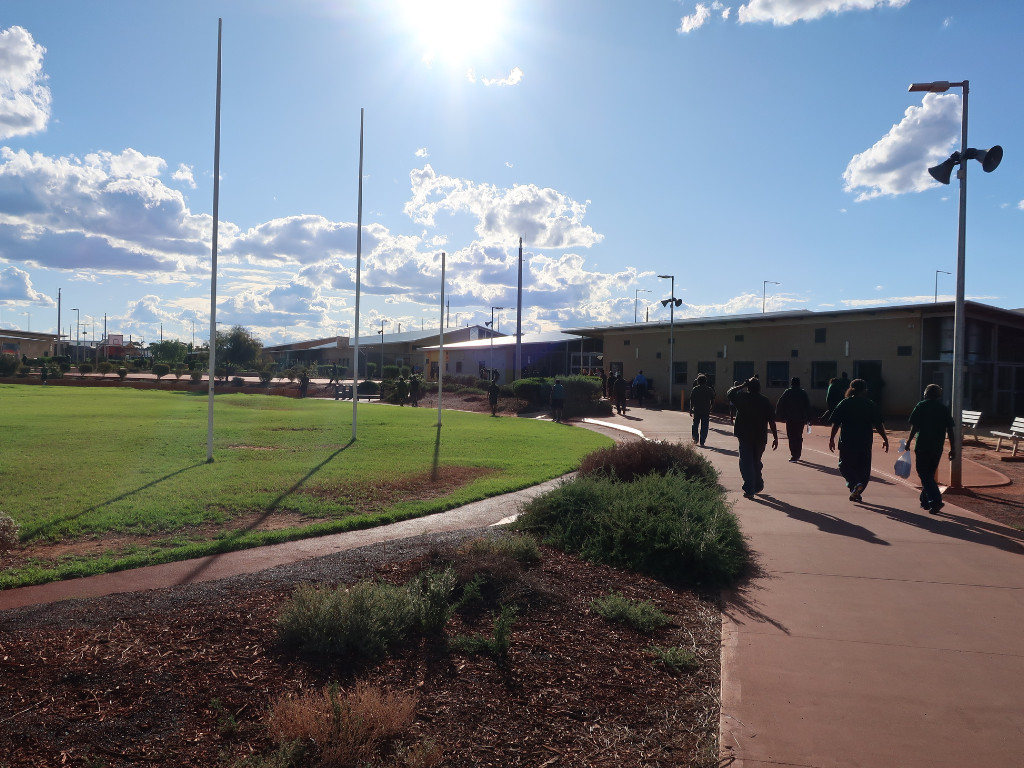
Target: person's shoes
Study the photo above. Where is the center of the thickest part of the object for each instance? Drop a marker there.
(855, 494)
(701, 445)
(747, 495)
(793, 458)
(934, 510)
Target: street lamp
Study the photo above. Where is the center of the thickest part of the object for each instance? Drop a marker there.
(989, 159)
(29, 319)
(636, 296)
(937, 273)
(381, 332)
(672, 302)
(764, 292)
(78, 328)
(490, 372)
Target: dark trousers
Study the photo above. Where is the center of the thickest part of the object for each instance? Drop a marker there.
(927, 465)
(855, 466)
(750, 465)
(700, 427)
(620, 403)
(795, 435)
(641, 392)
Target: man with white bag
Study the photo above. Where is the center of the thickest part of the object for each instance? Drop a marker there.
(931, 421)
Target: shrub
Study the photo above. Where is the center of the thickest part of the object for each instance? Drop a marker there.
(516, 545)
(506, 391)
(406, 371)
(512, 405)
(65, 366)
(104, 368)
(341, 729)
(179, 369)
(642, 615)
(266, 377)
(472, 391)
(488, 572)
(390, 371)
(122, 373)
(634, 459)
(237, 381)
(459, 379)
(8, 533)
(24, 371)
(483, 384)
(220, 373)
(363, 620)
(161, 369)
(433, 591)
(496, 647)
(668, 527)
(371, 370)
(196, 376)
(674, 658)
(85, 368)
(291, 374)
(368, 387)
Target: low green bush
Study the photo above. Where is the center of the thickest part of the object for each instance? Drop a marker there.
(674, 658)
(406, 372)
(668, 527)
(104, 367)
(196, 376)
(65, 366)
(161, 369)
(122, 373)
(516, 545)
(222, 373)
(636, 458)
(371, 370)
(472, 391)
(433, 592)
(266, 377)
(367, 387)
(496, 647)
(641, 615)
(459, 380)
(24, 371)
(85, 368)
(238, 381)
(483, 384)
(390, 371)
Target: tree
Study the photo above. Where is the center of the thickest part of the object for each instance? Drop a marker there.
(171, 352)
(238, 346)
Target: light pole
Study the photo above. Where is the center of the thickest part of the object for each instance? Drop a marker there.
(672, 303)
(78, 328)
(490, 371)
(764, 292)
(636, 297)
(989, 159)
(29, 319)
(381, 332)
(937, 273)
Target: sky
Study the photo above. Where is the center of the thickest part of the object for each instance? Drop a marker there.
(727, 145)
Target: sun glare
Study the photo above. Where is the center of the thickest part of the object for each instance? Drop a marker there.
(453, 30)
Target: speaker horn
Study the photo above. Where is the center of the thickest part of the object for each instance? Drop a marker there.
(991, 158)
(944, 170)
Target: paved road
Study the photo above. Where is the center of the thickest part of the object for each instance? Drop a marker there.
(874, 634)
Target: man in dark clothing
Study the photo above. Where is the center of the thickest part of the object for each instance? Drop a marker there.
(754, 415)
(835, 393)
(857, 416)
(604, 383)
(702, 397)
(414, 390)
(794, 410)
(640, 389)
(931, 421)
(334, 375)
(492, 397)
(303, 384)
(620, 394)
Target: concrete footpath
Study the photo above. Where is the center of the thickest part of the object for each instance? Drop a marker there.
(872, 634)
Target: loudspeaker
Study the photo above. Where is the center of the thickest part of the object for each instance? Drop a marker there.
(944, 170)
(991, 158)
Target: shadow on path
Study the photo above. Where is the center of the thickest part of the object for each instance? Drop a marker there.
(824, 523)
(266, 513)
(956, 527)
(725, 451)
(31, 533)
(740, 602)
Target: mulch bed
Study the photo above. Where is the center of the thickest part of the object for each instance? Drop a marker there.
(128, 680)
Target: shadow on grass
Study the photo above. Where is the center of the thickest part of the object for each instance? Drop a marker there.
(239, 533)
(30, 533)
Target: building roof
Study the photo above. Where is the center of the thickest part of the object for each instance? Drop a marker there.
(26, 335)
(544, 337)
(407, 337)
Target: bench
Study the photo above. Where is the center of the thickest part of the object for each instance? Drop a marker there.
(1015, 435)
(971, 419)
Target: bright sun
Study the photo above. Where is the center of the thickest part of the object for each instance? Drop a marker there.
(453, 29)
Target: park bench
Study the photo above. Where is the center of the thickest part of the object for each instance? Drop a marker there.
(970, 419)
(1015, 435)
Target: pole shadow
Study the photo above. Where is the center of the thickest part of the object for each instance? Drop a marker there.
(824, 523)
(437, 455)
(956, 527)
(740, 601)
(725, 451)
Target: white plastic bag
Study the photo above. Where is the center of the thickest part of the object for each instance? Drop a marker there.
(809, 430)
(902, 466)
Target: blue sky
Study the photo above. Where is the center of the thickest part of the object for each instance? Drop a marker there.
(623, 140)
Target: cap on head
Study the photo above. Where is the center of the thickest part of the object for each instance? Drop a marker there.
(795, 381)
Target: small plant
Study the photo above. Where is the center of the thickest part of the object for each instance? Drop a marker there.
(65, 366)
(425, 755)
(371, 370)
(24, 371)
(642, 615)
(104, 368)
(471, 592)
(266, 377)
(238, 381)
(674, 658)
(196, 376)
(226, 722)
(496, 647)
(8, 533)
(291, 374)
(85, 368)
(179, 371)
(390, 372)
(161, 369)
(517, 546)
(220, 373)
(632, 460)
(434, 593)
(122, 373)
(8, 365)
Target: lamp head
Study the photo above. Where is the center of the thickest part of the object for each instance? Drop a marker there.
(939, 86)
(943, 170)
(666, 277)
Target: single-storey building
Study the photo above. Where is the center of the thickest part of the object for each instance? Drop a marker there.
(549, 353)
(27, 343)
(896, 349)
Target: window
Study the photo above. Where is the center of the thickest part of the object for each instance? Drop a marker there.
(708, 369)
(794, 353)
(823, 371)
(739, 337)
(458, 367)
(625, 342)
(778, 374)
(904, 351)
(819, 335)
(720, 354)
(741, 371)
(680, 373)
(658, 355)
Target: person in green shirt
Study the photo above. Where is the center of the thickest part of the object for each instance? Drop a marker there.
(835, 393)
(794, 410)
(931, 421)
(558, 400)
(754, 416)
(493, 392)
(857, 416)
(702, 399)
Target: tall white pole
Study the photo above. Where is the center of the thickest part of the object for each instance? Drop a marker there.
(519, 318)
(671, 343)
(440, 352)
(213, 253)
(959, 318)
(359, 265)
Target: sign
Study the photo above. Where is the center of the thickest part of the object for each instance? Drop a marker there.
(115, 340)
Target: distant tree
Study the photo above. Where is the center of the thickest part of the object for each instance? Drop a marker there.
(238, 346)
(170, 352)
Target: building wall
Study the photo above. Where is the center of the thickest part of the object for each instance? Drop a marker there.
(19, 344)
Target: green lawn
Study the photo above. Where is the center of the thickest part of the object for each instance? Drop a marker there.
(80, 463)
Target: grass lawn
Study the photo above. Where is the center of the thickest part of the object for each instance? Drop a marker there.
(103, 480)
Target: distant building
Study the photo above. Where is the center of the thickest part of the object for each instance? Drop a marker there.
(27, 343)
(898, 350)
(399, 349)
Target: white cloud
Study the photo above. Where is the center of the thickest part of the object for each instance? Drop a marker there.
(508, 163)
(1021, 205)
(725, 12)
(783, 12)
(899, 161)
(925, 299)
(16, 288)
(24, 100)
(471, 75)
(545, 218)
(947, 21)
(743, 304)
(422, 152)
(184, 175)
(689, 23)
(513, 78)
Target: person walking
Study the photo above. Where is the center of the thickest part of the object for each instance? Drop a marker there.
(754, 416)
(835, 393)
(558, 400)
(640, 389)
(334, 375)
(493, 392)
(931, 421)
(604, 383)
(702, 398)
(856, 416)
(620, 394)
(732, 408)
(303, 384)
(794, 410)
